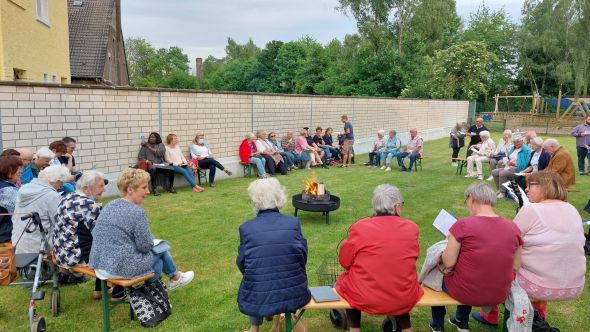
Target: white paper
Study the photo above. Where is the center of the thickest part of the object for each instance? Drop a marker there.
(519, 174)
(525, 199)
(444, 221)
(157, 241)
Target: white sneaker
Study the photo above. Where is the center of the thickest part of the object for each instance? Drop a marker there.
(454, 164)
(468, 176)
(491, 178)
(500, 195)
(383, 167)
(480, 177)
(185, 278)
(388, 169)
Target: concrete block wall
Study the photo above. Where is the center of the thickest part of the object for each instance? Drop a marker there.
(108, 122)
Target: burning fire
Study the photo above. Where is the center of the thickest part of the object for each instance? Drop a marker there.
(311, 186)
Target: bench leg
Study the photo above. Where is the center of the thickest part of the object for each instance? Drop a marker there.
(106, 324)
(328, 218)
(505, 320)
(295, 212)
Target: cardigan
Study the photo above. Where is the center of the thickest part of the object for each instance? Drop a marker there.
(561, 162)
(523, 157)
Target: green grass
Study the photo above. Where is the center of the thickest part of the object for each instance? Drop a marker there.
(203, 231)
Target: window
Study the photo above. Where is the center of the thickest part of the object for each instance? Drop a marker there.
(64, 80)
(45, 78)
(19, 74)
(53, 79)
(43, 11)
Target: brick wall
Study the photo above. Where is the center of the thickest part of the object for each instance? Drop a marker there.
(108, 122)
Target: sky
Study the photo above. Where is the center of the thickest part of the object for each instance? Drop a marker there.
(201, 28)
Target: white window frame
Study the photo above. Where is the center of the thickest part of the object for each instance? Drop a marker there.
(42, 11)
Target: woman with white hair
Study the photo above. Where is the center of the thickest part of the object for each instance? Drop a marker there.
(483, 252)
(43, 157)
(249, 155)
(76, 217)
(502, 149)
(482, 152)
(271, 256)
(379, 260)
(515, 161)
(378, 147)
(41, 196)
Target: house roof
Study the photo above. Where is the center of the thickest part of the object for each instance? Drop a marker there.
(89, 32)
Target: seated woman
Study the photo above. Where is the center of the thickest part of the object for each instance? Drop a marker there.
(379, 260)
(175, 157)
(10, 169)
(249, 155)
(75, 220)
(288, 156)
(334, 148)
(553, 263)
(122, 244)
(154, 153)
(200, 151)
(504, 146)
(392, 147)
(43, 157)
(41, 196)
(538, 162)
(483, 250)
(515, 162)
(377, 149)
(274, 160)
(271, 256)
(305, 151)
(482, 153)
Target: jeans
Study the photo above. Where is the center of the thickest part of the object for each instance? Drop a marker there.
(387, 156)
(212, 165)
(374, 158)
(412, 156)
(289, 158)
(583, 154)
(501, 176)
(327, 154)
(335, 152)
(163, 262)
(438, 313)
(259, 163)
(187, 173)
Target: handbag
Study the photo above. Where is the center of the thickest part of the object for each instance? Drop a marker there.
(279, 324)
(8, 272)
(143, 165)
(150, 303)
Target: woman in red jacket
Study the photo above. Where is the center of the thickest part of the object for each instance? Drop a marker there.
(379, 261)
(249, 154)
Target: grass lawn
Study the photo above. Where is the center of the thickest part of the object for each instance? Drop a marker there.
(203, 231)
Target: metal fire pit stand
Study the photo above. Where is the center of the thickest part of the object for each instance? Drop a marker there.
(311, 205)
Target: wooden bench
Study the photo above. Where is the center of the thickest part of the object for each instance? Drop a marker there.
(247, 169)
(431, 298)
(125, 283)
(418, 162)
(461, 163)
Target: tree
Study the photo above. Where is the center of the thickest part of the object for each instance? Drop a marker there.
(264, 74)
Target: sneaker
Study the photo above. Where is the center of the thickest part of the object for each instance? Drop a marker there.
(461, 327)
(404, 168)
(384, 167)
(480, 177)
(500, 195)
(436, 328)
(478, 317)
(388, 169)
(468, 176)
(409, 170)
(491, 178)
(185, 278)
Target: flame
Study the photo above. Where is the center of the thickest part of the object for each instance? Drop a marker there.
(311, 185)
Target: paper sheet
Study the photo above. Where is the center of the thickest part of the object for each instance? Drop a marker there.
(444, 221)
(509, 191)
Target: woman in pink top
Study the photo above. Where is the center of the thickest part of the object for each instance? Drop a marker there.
(302, 148)
(177, 160)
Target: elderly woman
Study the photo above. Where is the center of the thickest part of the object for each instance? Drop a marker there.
(502, 149)
(456, 142)
(41, 196)
(306, 151)
(271, 256)
(482, 152)
(538, 162)
(375, 245)
(274, 160)
(483, 251)
(75, 220)
(515, 162)
(153, 152)
(122, 244)
(200, 151)
(43, 157)
(249, 155)
(377, 148)
(10, 169)
(392, 147)
(553, 263)
(175, 157)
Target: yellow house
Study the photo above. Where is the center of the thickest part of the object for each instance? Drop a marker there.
(34, 44)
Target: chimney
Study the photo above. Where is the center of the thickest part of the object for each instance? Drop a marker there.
(199, 69)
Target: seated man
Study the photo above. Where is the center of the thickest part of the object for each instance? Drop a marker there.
(413, 150)
(377, 148)
(43, 157)
(516, 162)
(391, 149)
(561, 162)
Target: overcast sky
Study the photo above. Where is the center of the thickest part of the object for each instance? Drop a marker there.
(201, 28)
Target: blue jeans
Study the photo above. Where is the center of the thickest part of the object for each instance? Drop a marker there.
(163, 262)
(289, 158)
(438, 313)
(187, 173)
(402, 155)
(387, 156)
(259, 163)
(327, 154)
(583, 154)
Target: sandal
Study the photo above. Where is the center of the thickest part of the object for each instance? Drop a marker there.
(198, 189)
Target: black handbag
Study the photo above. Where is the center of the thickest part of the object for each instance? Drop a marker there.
(150, 303)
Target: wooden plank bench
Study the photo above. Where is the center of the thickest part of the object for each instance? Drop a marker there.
(125, 283)
(418, 162)
(247, 169)
(461, 163)
(431, 298)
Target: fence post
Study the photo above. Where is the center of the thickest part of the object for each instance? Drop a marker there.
(252, 113)
(160, 111)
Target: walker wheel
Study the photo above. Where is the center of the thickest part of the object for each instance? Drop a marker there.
(55, 301)
(387, 326)
(38, 324)
(338, 319)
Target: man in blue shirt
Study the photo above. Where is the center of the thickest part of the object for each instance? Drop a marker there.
(348, 141)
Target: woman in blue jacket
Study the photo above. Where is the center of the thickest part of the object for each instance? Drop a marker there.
(517, 160)
(271, 256)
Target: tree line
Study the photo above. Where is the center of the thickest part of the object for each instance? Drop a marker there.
(403, 48)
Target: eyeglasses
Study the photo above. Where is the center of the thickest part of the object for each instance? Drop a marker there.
(530, 184)
(272, 136)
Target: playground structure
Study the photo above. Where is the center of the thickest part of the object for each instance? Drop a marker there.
(539, 105)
